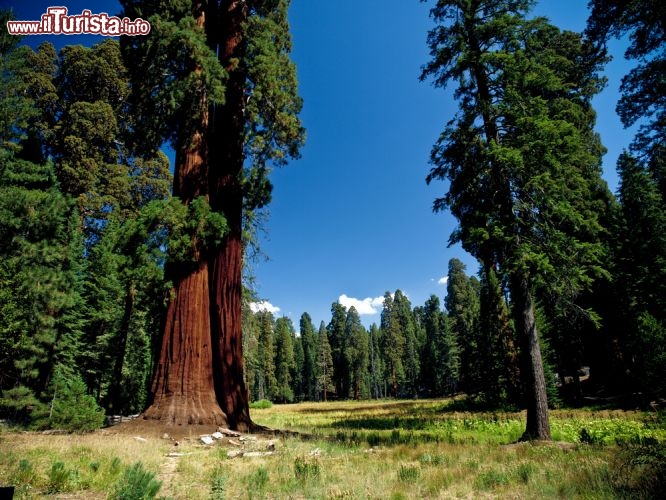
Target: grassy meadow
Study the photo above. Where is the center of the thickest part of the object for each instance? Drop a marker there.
(390, 449)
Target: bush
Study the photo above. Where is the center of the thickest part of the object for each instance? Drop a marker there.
(71, 408)
(640, 471)
(25, 473)
(262, 404)
(492, 479)
(258, 479)
(60, 478)
(408, 474)
(136, 483)
(306, 468)
(18, 405)
(218, 487)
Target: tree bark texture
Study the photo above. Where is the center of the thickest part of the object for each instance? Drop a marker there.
(538, 424)
(182, 390)
(183, 387)
(226, 195)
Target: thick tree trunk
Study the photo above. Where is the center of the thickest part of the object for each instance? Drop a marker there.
(226, 195)
(538, 425)
(182, 390)
(183, 387)
(226, 316)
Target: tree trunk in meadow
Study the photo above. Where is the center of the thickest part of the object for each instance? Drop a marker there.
(226, 195)
(538, 425)
(183, 388)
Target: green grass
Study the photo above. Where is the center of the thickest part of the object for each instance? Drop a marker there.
(388, 449)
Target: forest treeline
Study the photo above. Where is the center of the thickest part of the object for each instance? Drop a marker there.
(91, 235)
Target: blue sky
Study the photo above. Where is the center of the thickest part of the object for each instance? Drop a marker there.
(352, 218)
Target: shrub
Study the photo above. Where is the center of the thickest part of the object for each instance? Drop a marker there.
(436, 460)
(491, 479)
(306, 468)
(218, 487)
(136, 483)
(25, 473)
(18, 404)
(71, 408)
(640, 471)
(525, 471)
(59, 478)
(262, 404)
(408, 474)
(258, 479)
(590, 438)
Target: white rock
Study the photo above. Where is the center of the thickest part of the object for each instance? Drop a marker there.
(206, 440)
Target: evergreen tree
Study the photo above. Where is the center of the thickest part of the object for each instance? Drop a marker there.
(405, 317)
(358, 353)
(84, 126)
(638, 228)
(641, 269)
(250, 346)
(393, 345)
(41, 273)
(497, 351)
(125, 289)
(644, 87)
(297, 380)
(462, 305)
(440, 361)
(265, 378)
(309, 346)
(17, 108)
(376, 366)
(522, 160)
(324, 364)
(284, 360)
(338, 340)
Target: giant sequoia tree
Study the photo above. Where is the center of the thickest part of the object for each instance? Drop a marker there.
(522, 160)
(216, 80)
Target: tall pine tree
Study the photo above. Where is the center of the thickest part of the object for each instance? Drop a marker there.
(522, 160)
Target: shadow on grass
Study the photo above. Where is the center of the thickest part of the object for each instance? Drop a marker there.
(365, 407)
(384, 423)
(396, 437)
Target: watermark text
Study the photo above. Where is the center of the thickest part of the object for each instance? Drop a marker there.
(56, 22)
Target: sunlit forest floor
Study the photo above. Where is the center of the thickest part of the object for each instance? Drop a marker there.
(386, 449)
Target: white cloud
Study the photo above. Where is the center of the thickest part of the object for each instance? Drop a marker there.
(264, 306)
(367, 306)
(443, 280)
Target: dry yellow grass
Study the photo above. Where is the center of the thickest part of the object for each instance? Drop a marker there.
(347, 450)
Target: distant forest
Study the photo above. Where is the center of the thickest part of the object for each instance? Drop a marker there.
(100, 243)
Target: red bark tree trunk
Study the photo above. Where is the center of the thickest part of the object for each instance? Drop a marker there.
(183, 386)
(226, 195)
(182, 390)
